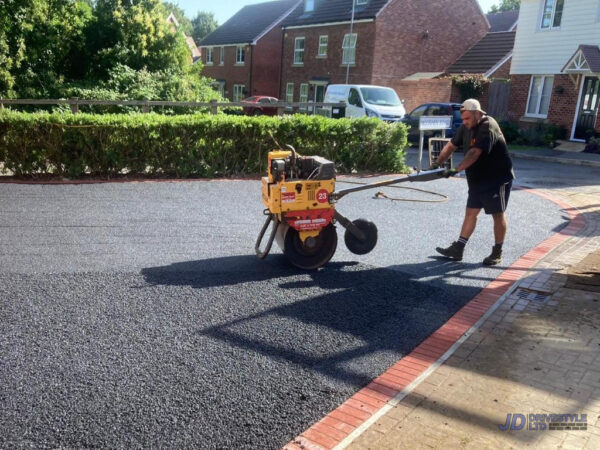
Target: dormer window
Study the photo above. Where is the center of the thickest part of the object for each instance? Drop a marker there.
(361, 2)
(309, 5)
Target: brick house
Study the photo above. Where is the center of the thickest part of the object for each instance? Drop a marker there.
(490, 59)
(556, 65)
(382, 42)
(243, 55)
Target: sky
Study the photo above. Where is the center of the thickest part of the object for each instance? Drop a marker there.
(224, 9)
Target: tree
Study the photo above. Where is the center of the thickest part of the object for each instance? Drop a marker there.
(105, 49)
(204, 23)
(505, 5)
(40, 41)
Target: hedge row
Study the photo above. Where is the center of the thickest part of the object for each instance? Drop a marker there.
(195, 145)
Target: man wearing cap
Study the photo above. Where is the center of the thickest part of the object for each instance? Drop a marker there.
(489, 177)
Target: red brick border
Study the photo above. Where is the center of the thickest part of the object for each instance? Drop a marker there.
(341, 422)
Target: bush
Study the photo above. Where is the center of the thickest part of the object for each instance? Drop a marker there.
(196, 145)
(538, 135)
(510, 131)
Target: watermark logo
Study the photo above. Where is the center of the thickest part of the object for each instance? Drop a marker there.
(544, 422)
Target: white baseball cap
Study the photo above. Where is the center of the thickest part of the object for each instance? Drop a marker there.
(471, 104)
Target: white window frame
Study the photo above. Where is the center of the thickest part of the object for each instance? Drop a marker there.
(322, 51)
(240, 51)
(222, 56)
(349, 50)
(543, 9)
(361, 2)
(209, 56)
(303, 95)
(238, 92)
(299, 53)
(289, 93)
(539, 101)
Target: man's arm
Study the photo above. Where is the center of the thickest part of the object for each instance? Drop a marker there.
(470, 157)
(448, 149)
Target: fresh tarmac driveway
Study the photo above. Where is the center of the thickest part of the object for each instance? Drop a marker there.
(136, 315)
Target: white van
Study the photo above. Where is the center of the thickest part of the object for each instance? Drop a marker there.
(367, 100)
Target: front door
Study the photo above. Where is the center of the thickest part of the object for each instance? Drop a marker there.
(319, 93)
(588, 106)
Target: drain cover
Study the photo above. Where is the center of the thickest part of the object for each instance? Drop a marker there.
(532, 295)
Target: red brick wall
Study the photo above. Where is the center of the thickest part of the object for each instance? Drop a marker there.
(562, 104)
(229, 71)
(503, 71)
(519, 91)
(267, 63)
(417, 36)
(415, 93)
(330, 67)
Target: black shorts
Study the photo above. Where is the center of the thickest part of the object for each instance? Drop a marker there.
(493, 201)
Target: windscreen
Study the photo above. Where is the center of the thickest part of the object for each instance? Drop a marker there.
(380, 96)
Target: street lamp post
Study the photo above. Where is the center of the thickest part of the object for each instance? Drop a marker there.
(350, 39)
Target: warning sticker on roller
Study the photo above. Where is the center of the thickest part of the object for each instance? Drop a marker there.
(288, 197)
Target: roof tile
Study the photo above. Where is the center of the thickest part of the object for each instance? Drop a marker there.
(249, 23)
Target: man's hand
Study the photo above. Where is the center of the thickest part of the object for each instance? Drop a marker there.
(449, 173)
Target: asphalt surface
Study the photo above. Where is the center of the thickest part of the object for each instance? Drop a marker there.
(135, 315)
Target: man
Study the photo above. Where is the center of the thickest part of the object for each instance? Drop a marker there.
(489, 177)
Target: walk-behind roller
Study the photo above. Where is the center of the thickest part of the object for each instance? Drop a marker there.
(300, 197)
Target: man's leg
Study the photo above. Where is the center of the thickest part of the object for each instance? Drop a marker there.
(456, 249)
(499, 227)
(470, 222)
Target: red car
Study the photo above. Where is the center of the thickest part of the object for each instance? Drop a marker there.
(259, 105)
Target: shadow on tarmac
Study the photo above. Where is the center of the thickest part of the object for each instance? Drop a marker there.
(385, 310)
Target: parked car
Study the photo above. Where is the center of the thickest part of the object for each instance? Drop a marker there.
(432, 109)
(365, 100)
(259, 105)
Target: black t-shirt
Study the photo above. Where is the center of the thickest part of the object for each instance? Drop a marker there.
(494, 167)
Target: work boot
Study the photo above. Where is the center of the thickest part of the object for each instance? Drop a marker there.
(494, 258)
(455, 251)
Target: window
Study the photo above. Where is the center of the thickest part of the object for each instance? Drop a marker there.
(240, 55)
(209, 56)
(349, 49)
(539, 96)
(354, 98)
(552, 14)
(309, 5)
(322, 47)
(238, 92)
(418, 112)
(361, 2)
(222, 56)
(299, 50)
(289, 92)
(303, 94)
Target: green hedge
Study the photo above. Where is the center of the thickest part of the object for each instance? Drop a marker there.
(195, 145)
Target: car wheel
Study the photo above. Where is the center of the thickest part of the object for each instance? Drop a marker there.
(257, 112)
